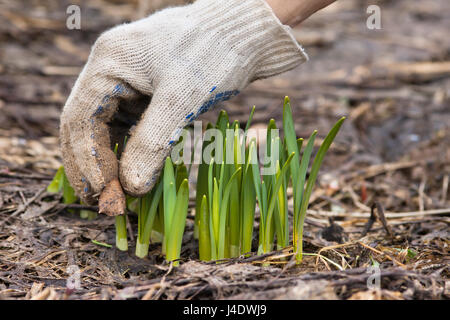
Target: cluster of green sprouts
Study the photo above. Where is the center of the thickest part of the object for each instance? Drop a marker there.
(227, 195)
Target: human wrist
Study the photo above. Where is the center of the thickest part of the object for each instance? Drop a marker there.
(279, 10)
(294, 12)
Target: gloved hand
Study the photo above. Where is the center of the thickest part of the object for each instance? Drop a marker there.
(186, 59)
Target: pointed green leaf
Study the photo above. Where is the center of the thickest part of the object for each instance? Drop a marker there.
(57, 183)
(175, 236)
(311, 181)
(300, 180)
(223, 215)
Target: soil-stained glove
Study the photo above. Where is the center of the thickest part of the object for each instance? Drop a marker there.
(186, 59)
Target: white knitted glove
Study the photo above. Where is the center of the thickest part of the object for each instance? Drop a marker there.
(186, 59)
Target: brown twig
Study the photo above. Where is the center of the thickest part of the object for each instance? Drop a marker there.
(373, 218)
(383, 254)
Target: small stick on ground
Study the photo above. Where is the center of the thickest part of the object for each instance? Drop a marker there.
(112, 199)
(383, 254)
(373, 217)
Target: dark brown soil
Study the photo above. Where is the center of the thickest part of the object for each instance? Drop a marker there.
(394, 151)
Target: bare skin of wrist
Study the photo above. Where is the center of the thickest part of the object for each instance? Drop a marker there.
(293, 12)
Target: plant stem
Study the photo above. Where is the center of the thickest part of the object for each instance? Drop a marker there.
(204, 240)
(121, 233)
(299, 245)
(88, 214)
(141, 249)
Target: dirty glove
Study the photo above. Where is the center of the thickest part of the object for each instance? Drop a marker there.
(186, 59)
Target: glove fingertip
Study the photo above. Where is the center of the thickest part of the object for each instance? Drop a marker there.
(137, 183)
